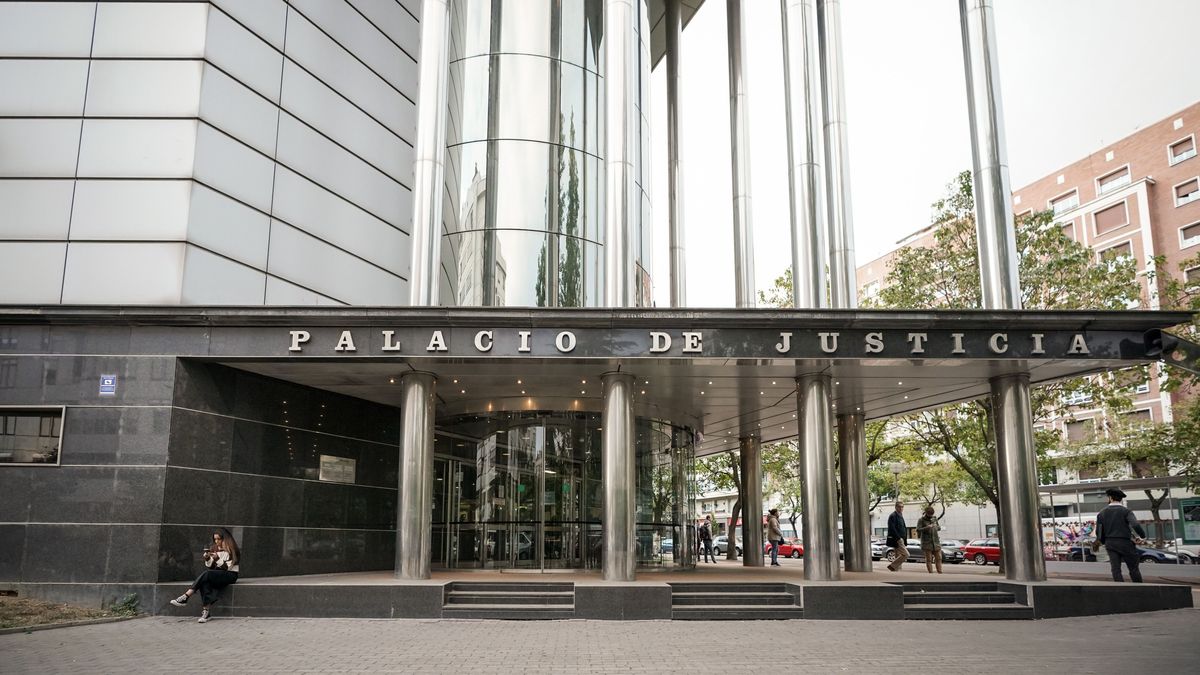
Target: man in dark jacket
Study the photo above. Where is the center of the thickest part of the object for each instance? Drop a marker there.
(1115, 528)
(897, 537)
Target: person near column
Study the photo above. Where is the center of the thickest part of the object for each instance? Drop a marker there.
(221, 561)
(931, 543)
(774, 535)
(897, 537)
(1115, 528)
(706, 538)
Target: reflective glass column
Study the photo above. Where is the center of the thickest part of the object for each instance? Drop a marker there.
(523, 216)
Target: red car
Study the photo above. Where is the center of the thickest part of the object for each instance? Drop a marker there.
(983, 551)
(789, 549)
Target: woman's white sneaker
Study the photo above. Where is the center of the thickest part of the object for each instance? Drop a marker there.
(181, 600)
(203, 616)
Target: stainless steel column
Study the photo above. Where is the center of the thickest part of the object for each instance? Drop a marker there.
(429, 153)
(750, 456)
(993, 208)
(674, 26)
(816, 476)
(802, 107)
(1016, 461)
(618, 459)
(856, 520)
(621, 132)
(414, 520)
(1016, 457)
(843, 285)
(739, 143)
(684, 548)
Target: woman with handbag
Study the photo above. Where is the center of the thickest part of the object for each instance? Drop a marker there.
(774, 535)
(221, 561)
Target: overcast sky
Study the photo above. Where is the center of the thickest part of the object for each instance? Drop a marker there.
(1075, 75)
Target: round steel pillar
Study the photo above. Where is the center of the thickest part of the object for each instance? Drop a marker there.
(1016, 460)
(750, 456)
(414, 521)
(856, 521)
(816, 474)
(618, 460)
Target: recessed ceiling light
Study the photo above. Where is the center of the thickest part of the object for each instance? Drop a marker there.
(391, 380)
(582, 391)
(463, 391)
(905, 398)
(701, 393)
(646, 382)
(518, 381)
(772, 381)
(456, 382)
(761, 393)
(837, 382)
(710, 381)
(522, 391)
(899, 383)
(643, 391)
(583, 382)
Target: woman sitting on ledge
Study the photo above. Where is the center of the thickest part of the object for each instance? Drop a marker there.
(222, 563)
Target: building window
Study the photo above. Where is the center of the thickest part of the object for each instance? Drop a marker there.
(1090, 474)
(1080, 431)
(1064, 203)
(1139, 417)
(1112, 218)
(1186, 192)
(1116, 179)
(1189, 235)
(1192, 277)
(1181, 150)
(1068, 229)
(1116, 253)
(30, 435)
(1077, 397)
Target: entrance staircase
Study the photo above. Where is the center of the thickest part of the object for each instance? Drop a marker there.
(732, 601)
(951, 600)
(507, 600)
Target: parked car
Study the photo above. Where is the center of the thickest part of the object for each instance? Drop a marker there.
(983, 551)
(878, 550)
(1082, 552)
(950, 554)
(721, 545)
(789, 549)
(666, 546)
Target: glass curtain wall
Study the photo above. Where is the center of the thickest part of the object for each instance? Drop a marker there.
(522, 490)
(523, 221)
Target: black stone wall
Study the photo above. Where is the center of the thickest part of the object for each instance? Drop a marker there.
(244, 453)
(95, 517)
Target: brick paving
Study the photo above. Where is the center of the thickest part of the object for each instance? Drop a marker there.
(1153, 642)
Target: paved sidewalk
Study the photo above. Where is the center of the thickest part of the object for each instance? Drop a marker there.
(1154, 642)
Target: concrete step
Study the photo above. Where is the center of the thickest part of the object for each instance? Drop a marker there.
(735, 612)
(508, 598)
(512, 587)
(701, 587)
(958, 598)
(767, 599)
(510, 612)
(971, 586)
(968, 611)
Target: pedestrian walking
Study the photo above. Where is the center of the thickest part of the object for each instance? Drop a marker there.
(706, 539)
(897, 537)
(774, 535)
(931, 543)
(221, 561)
(1115, 528)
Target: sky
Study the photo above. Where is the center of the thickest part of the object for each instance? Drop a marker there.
(1075, 75)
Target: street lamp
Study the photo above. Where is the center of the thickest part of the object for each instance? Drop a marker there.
(896, 468)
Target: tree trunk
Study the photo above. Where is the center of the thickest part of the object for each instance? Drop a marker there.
(731, 553)
(1155, 505)
(792, 519)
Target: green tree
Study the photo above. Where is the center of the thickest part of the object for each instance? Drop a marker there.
(1126, 445)
(722, 472)
(937, 484)
(1055, 273)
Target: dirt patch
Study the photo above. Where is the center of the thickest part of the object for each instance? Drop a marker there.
(20, 613)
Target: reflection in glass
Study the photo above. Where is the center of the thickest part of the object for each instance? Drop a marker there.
(524, 142)
(30, 436)
(522, 490)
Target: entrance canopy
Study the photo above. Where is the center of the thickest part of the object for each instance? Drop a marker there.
(729, 373)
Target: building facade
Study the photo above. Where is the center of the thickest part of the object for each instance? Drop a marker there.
(369, 283)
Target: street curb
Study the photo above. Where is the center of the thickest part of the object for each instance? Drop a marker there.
(69, 624)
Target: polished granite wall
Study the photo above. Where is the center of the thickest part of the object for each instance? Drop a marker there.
(244, 453)
(95, 517)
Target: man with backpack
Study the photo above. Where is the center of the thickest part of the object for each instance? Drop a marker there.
(706, 539)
